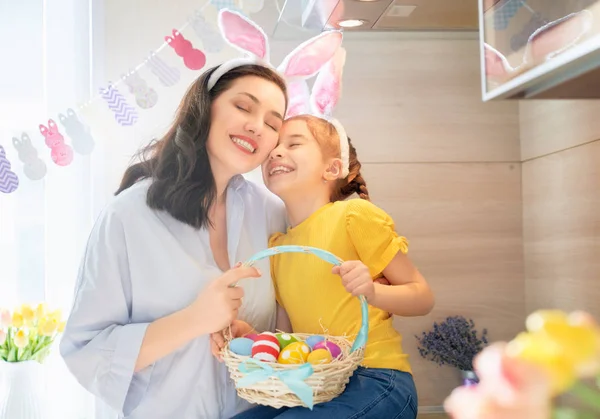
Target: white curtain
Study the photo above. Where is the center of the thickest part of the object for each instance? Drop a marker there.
(46, 49)
(55, 55)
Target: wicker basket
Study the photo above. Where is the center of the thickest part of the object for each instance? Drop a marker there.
(279, 385)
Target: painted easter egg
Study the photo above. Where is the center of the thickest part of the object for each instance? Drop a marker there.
(333, 349)
(241, 346)
(285, 339)
(294, 353)
(313, 340)
(319, 356)
(252, 336)
(265, 347)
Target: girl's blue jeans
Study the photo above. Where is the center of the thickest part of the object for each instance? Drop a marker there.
(371, 393)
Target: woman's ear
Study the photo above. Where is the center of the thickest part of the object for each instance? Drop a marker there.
(333, 171)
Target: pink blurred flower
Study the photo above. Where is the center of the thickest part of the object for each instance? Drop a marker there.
(508, 388)
(5, 319)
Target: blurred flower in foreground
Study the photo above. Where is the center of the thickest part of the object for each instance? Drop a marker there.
(519, 380)
(567, 347)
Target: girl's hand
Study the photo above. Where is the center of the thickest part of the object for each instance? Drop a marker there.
(356, 278)
(239, 328)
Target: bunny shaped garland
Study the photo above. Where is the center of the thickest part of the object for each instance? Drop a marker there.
(243, 34)
(321, 102)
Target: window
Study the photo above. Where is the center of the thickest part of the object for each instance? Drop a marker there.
(48, 66)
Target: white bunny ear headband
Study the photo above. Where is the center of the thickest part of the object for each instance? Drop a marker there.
(321, 102)
(243, 34)
(320, 54)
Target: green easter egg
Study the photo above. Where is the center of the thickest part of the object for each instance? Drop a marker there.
(285, 339)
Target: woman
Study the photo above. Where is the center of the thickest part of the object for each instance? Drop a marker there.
(158, 274)
(147, 298)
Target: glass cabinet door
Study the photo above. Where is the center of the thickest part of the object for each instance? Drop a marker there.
(519, 36)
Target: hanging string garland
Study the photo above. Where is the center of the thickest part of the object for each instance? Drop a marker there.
(126, 99)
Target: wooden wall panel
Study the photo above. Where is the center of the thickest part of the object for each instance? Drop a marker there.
(549, 126)
(417, 98)
(464, 225)
(422, 102)
(447, 167)
(561, 215)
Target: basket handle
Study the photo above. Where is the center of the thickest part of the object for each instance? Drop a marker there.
(361, 338)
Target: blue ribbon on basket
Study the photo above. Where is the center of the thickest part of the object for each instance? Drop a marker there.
(294, 379)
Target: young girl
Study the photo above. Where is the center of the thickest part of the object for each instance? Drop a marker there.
(313, 170)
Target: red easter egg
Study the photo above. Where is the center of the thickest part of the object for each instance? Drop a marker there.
(265, 347)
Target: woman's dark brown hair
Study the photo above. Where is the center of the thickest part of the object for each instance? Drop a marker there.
(329, 140)
(183, 183)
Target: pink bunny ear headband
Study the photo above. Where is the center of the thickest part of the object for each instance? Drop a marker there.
(321, 102)
(243, 34)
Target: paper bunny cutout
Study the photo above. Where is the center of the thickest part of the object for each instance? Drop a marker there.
(61, 153)
(325, 95)
(194, 59)
(82, 140)
(125, 114)
(9, 181)
(166, 74)
(212, 41)
(33, 167)
(145, 96)
(302, 63)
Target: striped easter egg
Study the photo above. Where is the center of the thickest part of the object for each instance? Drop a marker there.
(266, 348)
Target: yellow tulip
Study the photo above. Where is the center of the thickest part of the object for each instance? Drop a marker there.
(17, 319)
(27, 313)
(41, 310)
(538, 319)
(539, 349)
(40, 324)
(578, 338)
(48, 327)
(56, 315)
(566, 346)
(5, 319)
(20, 339)
(61, 327)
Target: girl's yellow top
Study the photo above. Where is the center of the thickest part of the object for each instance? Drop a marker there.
(315, 299)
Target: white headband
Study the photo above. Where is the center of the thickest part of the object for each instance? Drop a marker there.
(322, 100)
(243, 34)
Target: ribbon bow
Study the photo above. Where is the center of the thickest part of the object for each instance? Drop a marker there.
(294, 379)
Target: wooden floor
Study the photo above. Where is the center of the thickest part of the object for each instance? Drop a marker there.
(433, 416)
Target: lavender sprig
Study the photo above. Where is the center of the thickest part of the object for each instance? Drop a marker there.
(452, 342)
